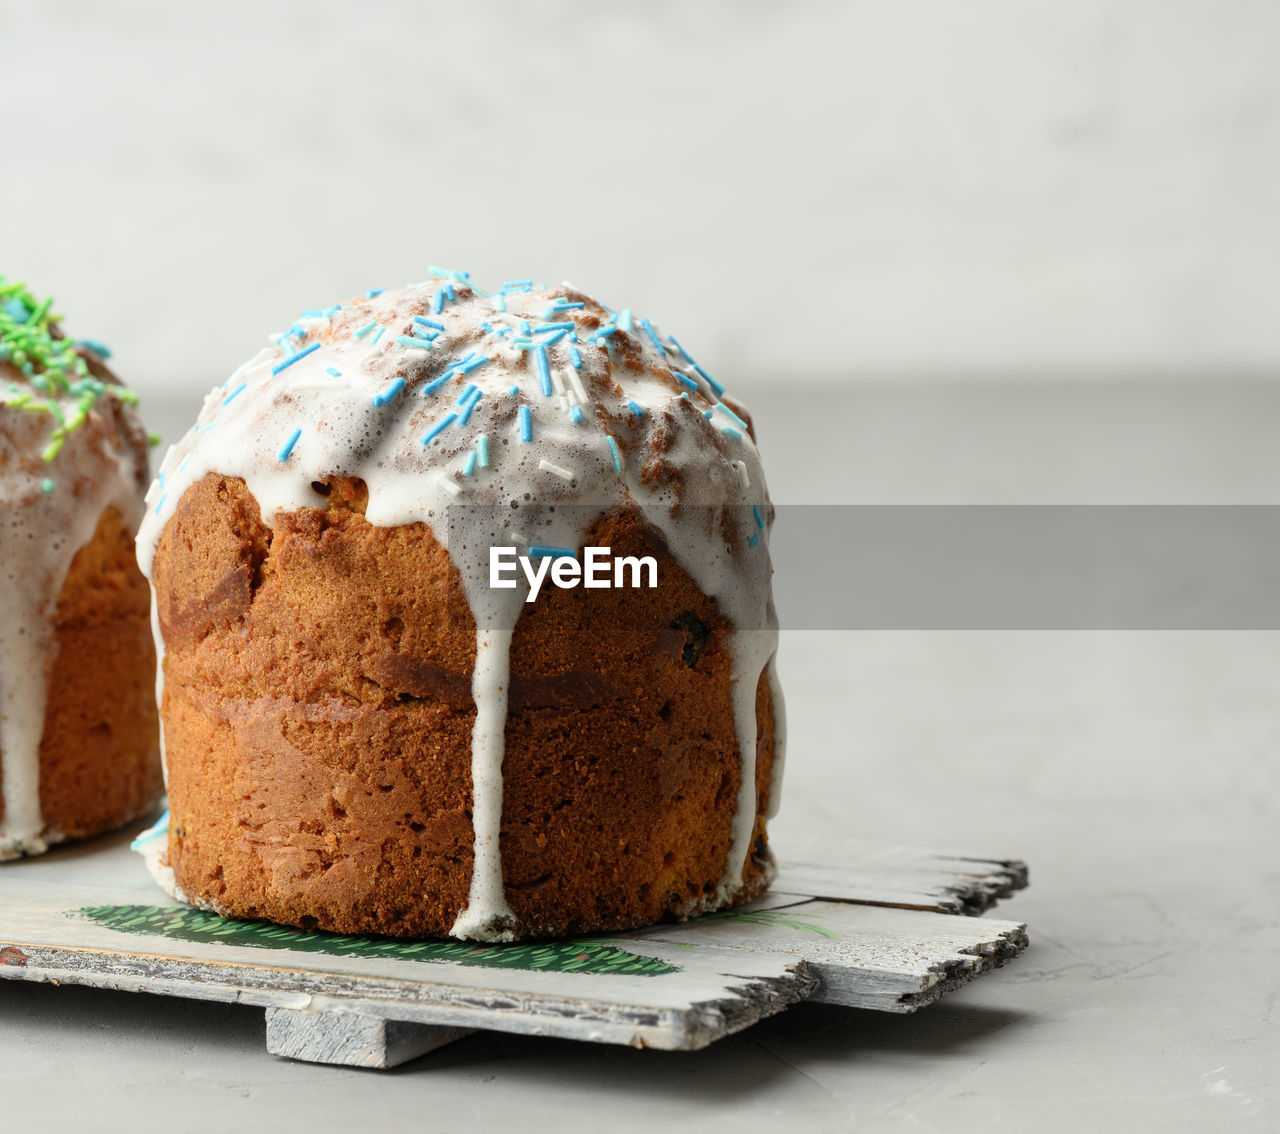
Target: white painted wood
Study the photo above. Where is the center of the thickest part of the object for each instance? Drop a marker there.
(350, 1039)
(864, 956)
(908, 876)
(96, 919)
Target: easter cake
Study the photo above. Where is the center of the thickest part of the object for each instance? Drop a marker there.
(365, 732)
(78, 731)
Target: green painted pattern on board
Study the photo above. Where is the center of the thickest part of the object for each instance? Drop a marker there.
(567, 956)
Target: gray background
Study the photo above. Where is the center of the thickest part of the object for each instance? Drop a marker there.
(913, 187)
(958, 254)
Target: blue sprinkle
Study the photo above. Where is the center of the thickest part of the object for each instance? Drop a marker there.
(466, 394)
(516, 283)
(448, 292)
(231, 397)
(607, 330)
(437, 303)
(686, 380)
(330, 312)
(724, 409)
(575, 414)
(488, 330)
(390, 392)
(373, 294)
(729, 431)
(374, 341)
(524, 326)
(311, 315)
(613, 452)
(514, 391)
(439, 427)
(547, 328)
(681, 350)
(754, 541)
(624, 319)
(544, 370)
(647, 327)
(413, 342)
(552, 552)
(482, 450)
(423, 333)
(101, 350)
(499, 303)
(466, 410)
(755, 511)
(160, 502)
(719, 389)
(369, 326)
(332, 372)
(279, 366)
(575, 358)
(470, 466)
(435, 384)
(470, 363)
(422, 322)
(635, 409)
(551, 340)
(288, 445)
(526, 424)
(707, 414)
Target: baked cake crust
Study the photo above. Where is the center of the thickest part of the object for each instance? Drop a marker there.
(318, 719)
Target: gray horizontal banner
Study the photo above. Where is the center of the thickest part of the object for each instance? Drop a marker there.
(1086, 567)
(948, 567)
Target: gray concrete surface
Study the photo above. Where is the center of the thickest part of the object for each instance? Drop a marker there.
(1137, 773)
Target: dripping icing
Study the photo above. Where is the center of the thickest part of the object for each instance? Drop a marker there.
(41, 533)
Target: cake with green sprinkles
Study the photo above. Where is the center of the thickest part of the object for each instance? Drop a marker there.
(368, 726)
(78, 725)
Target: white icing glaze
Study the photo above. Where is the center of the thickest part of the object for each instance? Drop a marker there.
(40, 533)
(779, 739)
(354, 392)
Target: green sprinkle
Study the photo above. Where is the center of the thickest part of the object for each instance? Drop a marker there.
(51, 364)
(46, 486)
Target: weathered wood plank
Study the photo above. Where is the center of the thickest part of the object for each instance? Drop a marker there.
(892, 960)
(658, 996)
(352, 1040)
(909, 877)
(94, 918)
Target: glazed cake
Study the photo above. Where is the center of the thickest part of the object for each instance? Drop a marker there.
(78, 731)
(362, 734)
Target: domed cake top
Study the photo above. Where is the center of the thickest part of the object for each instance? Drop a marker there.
(440, 394)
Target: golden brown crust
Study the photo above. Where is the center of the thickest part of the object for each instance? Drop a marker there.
(318, 719)
(99, 755)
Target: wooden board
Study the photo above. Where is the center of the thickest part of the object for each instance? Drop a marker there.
(879, 932)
